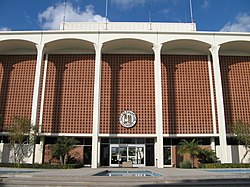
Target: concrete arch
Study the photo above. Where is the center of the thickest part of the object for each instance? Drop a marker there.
(128, 46)
(17, 46)
(70, 46)
(237, 47)
(185, 46)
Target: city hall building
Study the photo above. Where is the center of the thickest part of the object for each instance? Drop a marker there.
(126, 91)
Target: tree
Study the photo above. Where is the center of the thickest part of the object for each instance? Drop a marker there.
(241, 130)
(62, 148)
(18, 139)
(190, 147)
(207, 156)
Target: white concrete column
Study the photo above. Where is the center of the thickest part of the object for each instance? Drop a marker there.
(40, 150)
(220, 104)
(36, 92)
(210, 72)
(97, 101)
(212, 143)
(158, 105)
(37, 83)
(43, 92)
(1, 151)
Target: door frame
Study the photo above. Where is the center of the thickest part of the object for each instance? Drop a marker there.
(171, 155)
(127, 146)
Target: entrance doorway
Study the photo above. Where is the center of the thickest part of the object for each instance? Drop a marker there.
(167, 156)
(87, 155)
(127, 152)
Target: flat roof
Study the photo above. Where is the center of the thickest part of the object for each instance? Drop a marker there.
(128, 26)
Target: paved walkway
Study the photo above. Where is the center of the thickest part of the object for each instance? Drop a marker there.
(84, 177)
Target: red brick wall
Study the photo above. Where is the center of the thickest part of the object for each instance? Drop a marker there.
(68, 106)
(186, 95)
(17, 73)
(127, 84)
(235, 73)
(76, 153)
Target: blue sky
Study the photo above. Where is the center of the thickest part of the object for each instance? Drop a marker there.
(209, 15)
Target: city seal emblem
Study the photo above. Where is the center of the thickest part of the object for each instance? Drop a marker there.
(128, 119)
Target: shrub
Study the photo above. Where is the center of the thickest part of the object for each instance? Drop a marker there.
(207, 156)
(218, 165)
(186, 164)
(42, 166)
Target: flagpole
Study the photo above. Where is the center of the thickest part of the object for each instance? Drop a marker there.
(149, 14)
(106, 15)
(191, 11)
(64, 15)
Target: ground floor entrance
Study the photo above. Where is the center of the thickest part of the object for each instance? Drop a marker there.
(140, 152)
(120, 153)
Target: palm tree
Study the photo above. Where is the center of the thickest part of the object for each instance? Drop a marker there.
(62, 148)
(190, 147)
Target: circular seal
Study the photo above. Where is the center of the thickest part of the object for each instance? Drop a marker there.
(128, 119)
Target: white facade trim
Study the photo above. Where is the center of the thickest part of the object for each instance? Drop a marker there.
(158, 105)
(212, 93)
(37, 82)
(97, 103)
(43, 92)
(128, 26)
(127, 135)
(189, 135)
(220, 104)
(65, 134)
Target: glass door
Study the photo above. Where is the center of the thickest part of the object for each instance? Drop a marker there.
(167, 156)
(114, 156)
(123, 152)
(126, 152)
(132, 154)
(87, 155)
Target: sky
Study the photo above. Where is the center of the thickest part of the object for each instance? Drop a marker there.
(209, 15)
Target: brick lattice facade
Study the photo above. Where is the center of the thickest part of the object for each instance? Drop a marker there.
(17, 73)
(186, 95)
(68, 106)
(127, 84)
(236, 88)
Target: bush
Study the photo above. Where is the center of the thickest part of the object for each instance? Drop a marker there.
(207, 156)
(42, 166)
(186, 164)
(218, 165)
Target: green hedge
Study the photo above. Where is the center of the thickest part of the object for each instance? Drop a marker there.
(42, 166)
(186, 164)
(217, 165)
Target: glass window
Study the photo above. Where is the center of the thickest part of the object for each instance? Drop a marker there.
(150, 140)
(88, 141)
(140, 140)
(167, 141)
(127, 141)
(104, 140)
(114, 140)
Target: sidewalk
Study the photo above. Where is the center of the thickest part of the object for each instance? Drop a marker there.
(84, 177)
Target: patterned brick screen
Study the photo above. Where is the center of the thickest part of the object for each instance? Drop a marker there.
(186, 95)
(127, 84)
(235, 72)
(17, 73)
(68, 106)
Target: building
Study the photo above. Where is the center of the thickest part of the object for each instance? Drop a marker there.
(127, 91)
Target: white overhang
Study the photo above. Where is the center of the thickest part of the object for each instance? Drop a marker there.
(128, 26)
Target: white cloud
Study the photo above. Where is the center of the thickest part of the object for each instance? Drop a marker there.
(5, 29)
(241, 24)
(165, 11)
(206, 4)
(128, 4)
(53, 15)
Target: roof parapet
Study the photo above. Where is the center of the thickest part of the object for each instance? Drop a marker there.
(128, 26)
